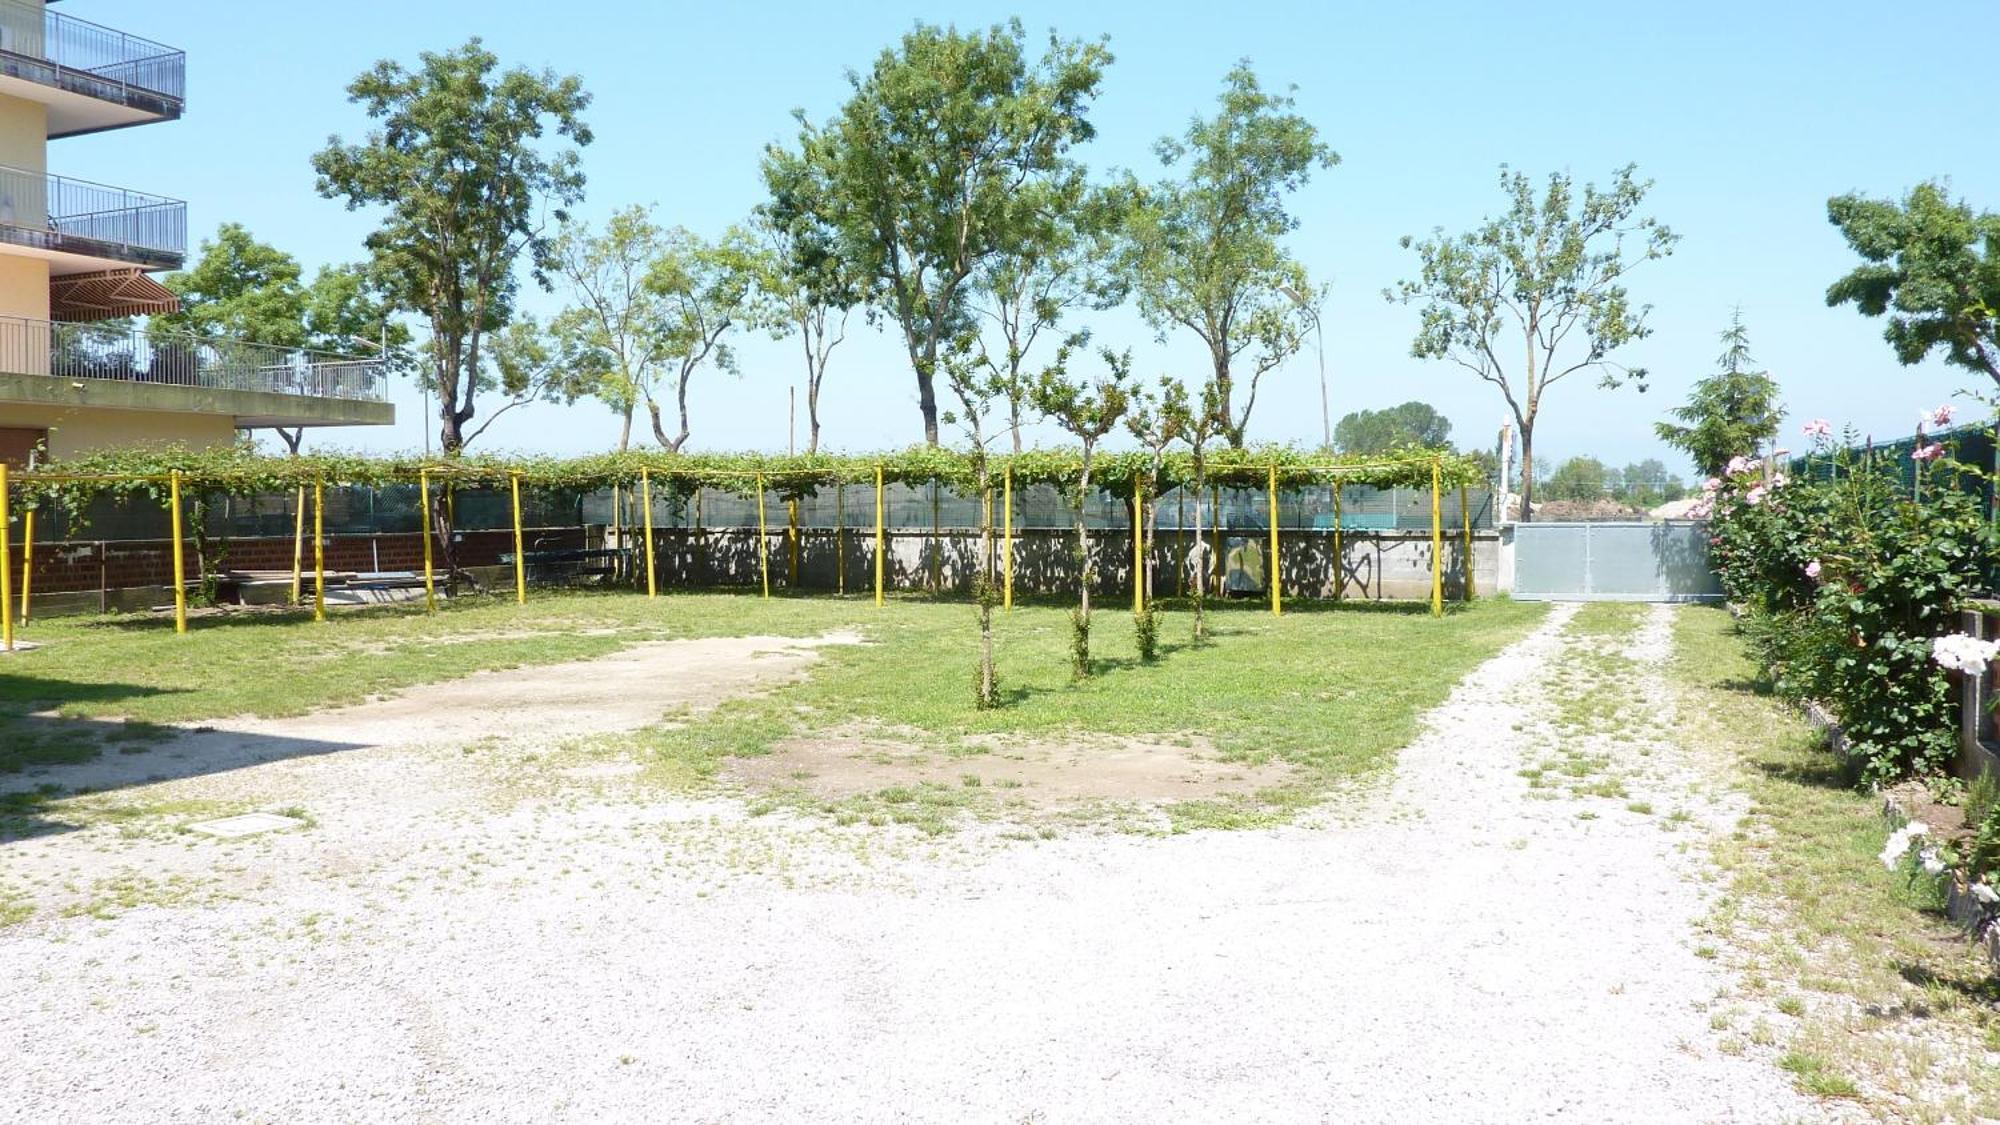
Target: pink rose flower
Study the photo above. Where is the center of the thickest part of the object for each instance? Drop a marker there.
(1942, 415)
(1928, 452)
(1812, 570)
(1817, 429)
(1755, 496)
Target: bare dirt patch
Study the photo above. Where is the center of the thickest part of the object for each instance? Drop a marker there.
(544, 704)
(1084, 768)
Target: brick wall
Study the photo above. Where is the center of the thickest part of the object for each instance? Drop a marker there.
(90, 566)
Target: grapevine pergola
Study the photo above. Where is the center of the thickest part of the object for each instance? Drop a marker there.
(166, 476)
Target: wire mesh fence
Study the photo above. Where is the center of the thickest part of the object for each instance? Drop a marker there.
(396, 509)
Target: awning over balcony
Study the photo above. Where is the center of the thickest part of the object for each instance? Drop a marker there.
(108, 294)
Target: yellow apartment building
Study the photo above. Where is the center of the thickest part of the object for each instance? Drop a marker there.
(78, 371)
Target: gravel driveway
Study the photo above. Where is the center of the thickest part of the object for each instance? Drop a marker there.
(1455, 944)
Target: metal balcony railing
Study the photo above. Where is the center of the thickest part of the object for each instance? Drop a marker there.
(54, 213)
(89, 59)
(126, 353)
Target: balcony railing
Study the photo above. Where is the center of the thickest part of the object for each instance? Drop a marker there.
(125, 353)
(54, 213)
(89, 59)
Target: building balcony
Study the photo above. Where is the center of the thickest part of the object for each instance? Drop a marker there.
(91, 78)
(81, 226)
(114, 365)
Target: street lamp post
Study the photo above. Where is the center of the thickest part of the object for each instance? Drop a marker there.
(1311, 311)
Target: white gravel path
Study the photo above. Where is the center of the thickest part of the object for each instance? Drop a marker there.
(1454, 946)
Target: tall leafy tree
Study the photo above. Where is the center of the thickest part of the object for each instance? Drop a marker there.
(929, 164)
(241, 288)
(704, 291)
(1089, 409)
(1206, 251)
(803, 284)
(1732, 412)
(467, 173)
(1531, 298)
(1378, 431)
(615, 328)
(1580, 478)
(1064, 263)
(1932, 266)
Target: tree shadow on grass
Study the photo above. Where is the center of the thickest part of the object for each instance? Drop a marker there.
(1820, 771)
(1984, 990)
(45, 755)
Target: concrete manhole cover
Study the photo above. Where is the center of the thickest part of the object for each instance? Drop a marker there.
(249, 824)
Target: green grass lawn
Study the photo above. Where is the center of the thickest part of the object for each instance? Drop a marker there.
(1331, 690)
(137, 668)
(1877, 995)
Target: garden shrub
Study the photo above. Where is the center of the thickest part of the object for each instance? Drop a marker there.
(1146, 632)
(1846, 581)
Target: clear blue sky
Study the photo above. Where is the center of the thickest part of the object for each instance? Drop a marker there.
(1747, 115)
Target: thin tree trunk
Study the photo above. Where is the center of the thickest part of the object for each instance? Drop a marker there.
(1225, 391)
(625, 429)
(927, 403)
(1200, 572)
(988, 690)
(1527, 471)
(1081, 636)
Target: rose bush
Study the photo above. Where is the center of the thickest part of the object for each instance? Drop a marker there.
(1847, 580)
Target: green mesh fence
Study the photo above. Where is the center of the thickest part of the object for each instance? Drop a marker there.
(394, 510)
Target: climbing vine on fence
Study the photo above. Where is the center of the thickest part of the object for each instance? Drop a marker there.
(241, 471)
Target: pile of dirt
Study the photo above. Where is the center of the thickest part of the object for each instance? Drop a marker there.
(1591, 511)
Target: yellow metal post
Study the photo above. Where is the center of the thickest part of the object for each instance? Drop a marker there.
(6, 567)
(1271, 565)
(763, 543)
(1007, 541)
(430, 581)
(1437, 541)
(520, 555)
(1138, 544)
(319, 550)
(1339, 548)
(27, 560)
(880, 539)
(1465, 515)
(646, 498)
(180, 555)
(299, 545)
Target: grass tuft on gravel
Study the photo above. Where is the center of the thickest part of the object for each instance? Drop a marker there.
(1875, 994)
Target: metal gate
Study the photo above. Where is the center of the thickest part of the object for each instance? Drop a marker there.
(1631, 562)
